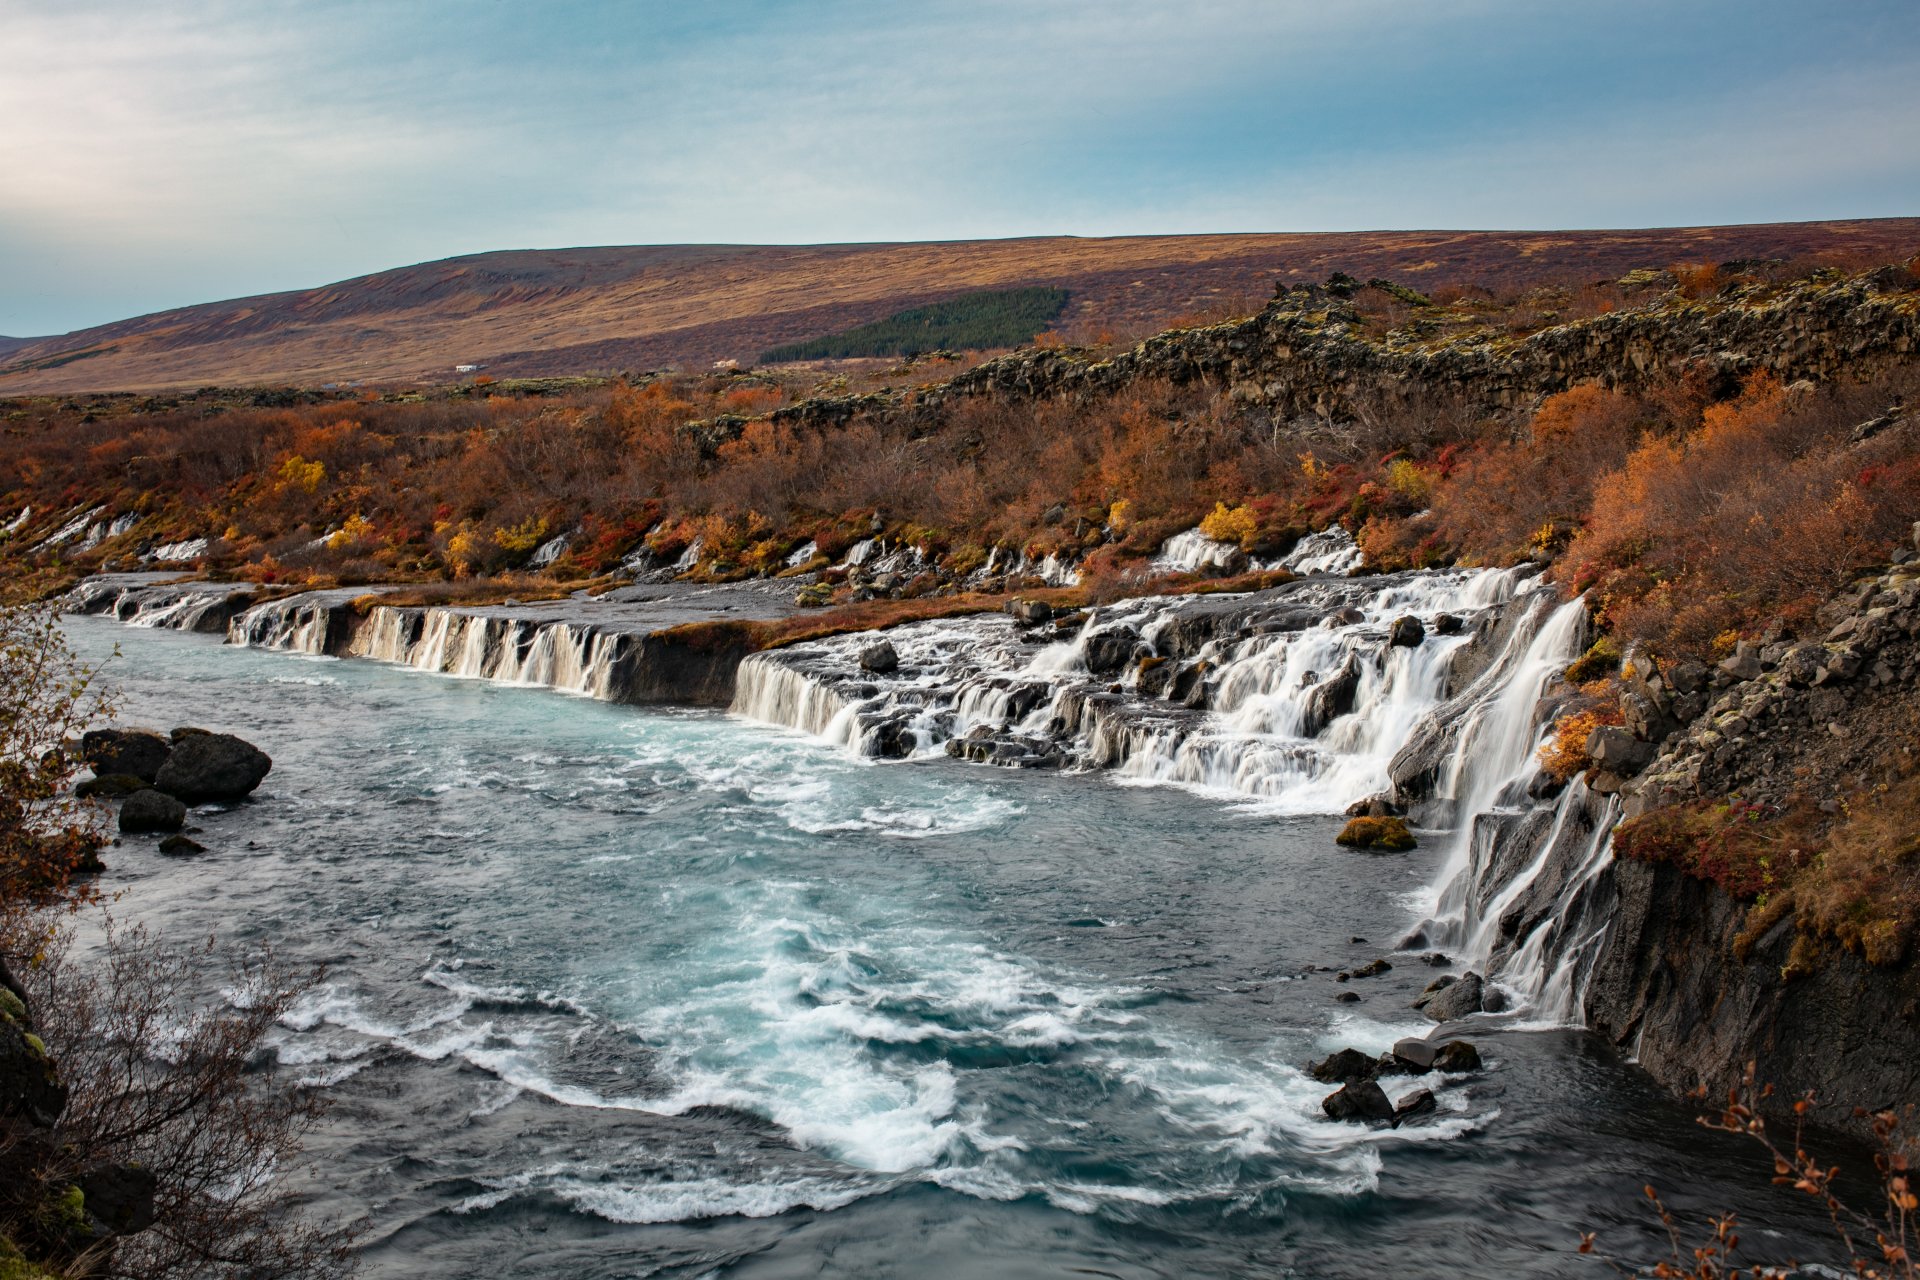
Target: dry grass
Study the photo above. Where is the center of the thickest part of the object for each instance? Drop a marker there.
(591, 310)
(1863, 890)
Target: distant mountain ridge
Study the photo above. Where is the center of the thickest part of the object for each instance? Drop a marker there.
(616, 309)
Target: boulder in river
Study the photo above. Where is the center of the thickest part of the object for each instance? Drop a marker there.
(880, 658)
(213, 767)
(151, 810)
(1406, 633)
(138, 753)
(1456, 1056)
(1414, 1054)
(1031, 612)
(1343, 1067)
(1359, 1100)
(1390, 834)
(176, 846)
(1448, 998)
(111, 786)
(1418, 1103)
(1378, 805)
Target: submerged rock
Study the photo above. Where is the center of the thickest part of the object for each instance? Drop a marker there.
(1456, 1056)
(213, 767)
(151, 810)
(112, 786)
(180, 845)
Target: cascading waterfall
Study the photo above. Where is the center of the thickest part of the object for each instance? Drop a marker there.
(1302, 715)
(138, 602)
(565, 656)
(297, 625)
(1296, 698)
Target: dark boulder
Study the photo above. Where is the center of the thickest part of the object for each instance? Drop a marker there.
(1331, 698)
(1109, 651)
(1374, 806)
(1418, 1103)
(1343, 1067)
(213, 766)
(1373, 969)
(29, 1087)
(151, 810)
(1406, 633)
(1414, 1054)
(118, 1198)
(1031, 612)
(1616, 750)
(880, 658)
(112, 786)
(1345, 616)
(176, 846)
(136, 752)
(1447, 624)
(1360, 1100)
(1448, 998)
(1456, 1056)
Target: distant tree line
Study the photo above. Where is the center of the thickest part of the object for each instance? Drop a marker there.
(971, 322)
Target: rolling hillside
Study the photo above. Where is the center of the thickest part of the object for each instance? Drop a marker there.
(600, 310)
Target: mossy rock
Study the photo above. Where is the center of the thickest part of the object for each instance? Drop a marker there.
(1390, 834)
(12, 1007)
(14, 1265)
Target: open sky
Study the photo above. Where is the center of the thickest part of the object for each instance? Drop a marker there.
(153, 155)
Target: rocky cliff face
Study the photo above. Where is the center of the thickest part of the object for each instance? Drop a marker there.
(1808, 720)
(1306, 358)
(1669, 988)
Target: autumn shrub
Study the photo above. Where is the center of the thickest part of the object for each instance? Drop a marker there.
(1863, 887)
(1745, 848)
(1564, 753)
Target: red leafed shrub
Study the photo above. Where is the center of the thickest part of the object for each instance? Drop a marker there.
(1747, 849)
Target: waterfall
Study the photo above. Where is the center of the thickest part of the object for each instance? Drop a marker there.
(1296, 698)
(1330, 551)
(299, 624)
(1300, 701)
(1494, 756)
(168, 552)
(773, 692)
(175, 606)
(566, 656)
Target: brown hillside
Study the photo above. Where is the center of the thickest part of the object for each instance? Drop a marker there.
(602, 310)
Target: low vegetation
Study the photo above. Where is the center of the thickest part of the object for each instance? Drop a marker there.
(1850, 879)
(971, 322)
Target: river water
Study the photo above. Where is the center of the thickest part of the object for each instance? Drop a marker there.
(617, 992)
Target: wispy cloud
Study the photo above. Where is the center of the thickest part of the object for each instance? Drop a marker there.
(151, 157)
